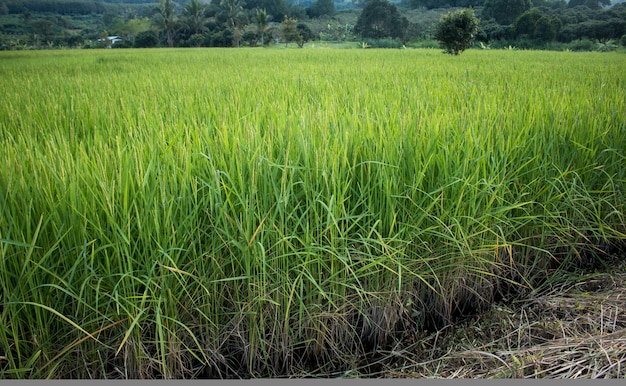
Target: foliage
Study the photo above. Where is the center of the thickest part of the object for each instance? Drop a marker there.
(525, 23)
(505, 11)
(146, 39)
(591, 4)
(536, 25)
(320, 8)
(457, 31)
(166, 19)
(582, 45)
(63, 7)
(232, 13)
(195, 16)
(549, 24)
(277, 8)
(381, 19)
(382, 43)
(305, 32)
(123, 44)
(606, 45)
(290, 33)
(262, 20)
(337, 32)
(445, 3)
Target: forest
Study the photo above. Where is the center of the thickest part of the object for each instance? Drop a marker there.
(577, 25)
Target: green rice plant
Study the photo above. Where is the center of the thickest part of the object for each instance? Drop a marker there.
(247, 213)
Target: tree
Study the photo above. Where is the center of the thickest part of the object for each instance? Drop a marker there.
(321, 8)
(166, 19)
(306, 32)
(26, 16)
(591, 4)
(129, 29)
(290, 31)
(277, 8)
(232, 13)
(457, 31)
(381, 19)
(194, 13)
(536, 25)
(524, 25)
(146, 39)
(430, 4)
(546, 28)
(505, 11)
(262, 21)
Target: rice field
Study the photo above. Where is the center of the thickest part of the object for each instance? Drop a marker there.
(221, 213)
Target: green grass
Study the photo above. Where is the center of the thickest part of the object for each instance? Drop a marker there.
(225, 213)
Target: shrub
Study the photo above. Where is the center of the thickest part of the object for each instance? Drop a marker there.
(383, 43)
(581, 45)
(146, 39)
(122, 44)
(456, 31)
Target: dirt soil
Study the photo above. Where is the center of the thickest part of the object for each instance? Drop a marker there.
(575, 327)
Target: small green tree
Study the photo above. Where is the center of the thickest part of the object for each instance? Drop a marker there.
(262, 20)
(305, 32)
(290, 31)
(457, 31)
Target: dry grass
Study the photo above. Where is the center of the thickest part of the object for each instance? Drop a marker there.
(575, 328)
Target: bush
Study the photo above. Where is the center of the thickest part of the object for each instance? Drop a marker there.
(250, 37)
(383, 43)
(581, 45)
(424, 43)
(122, 44)
(606, 45)
(196, 40)
(146, 39)
(456, 31)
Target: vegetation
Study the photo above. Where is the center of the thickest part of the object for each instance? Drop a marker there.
(175, 213)
(381, 19)
(321, 8)
(457, 31)
(505, 11)
(525, 24)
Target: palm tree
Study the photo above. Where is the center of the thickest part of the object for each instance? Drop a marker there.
(166, 19)
(232, 11)
(195, 15)
(262, 24)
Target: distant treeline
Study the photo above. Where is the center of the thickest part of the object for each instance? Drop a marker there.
(67, 7)
(430, 4)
